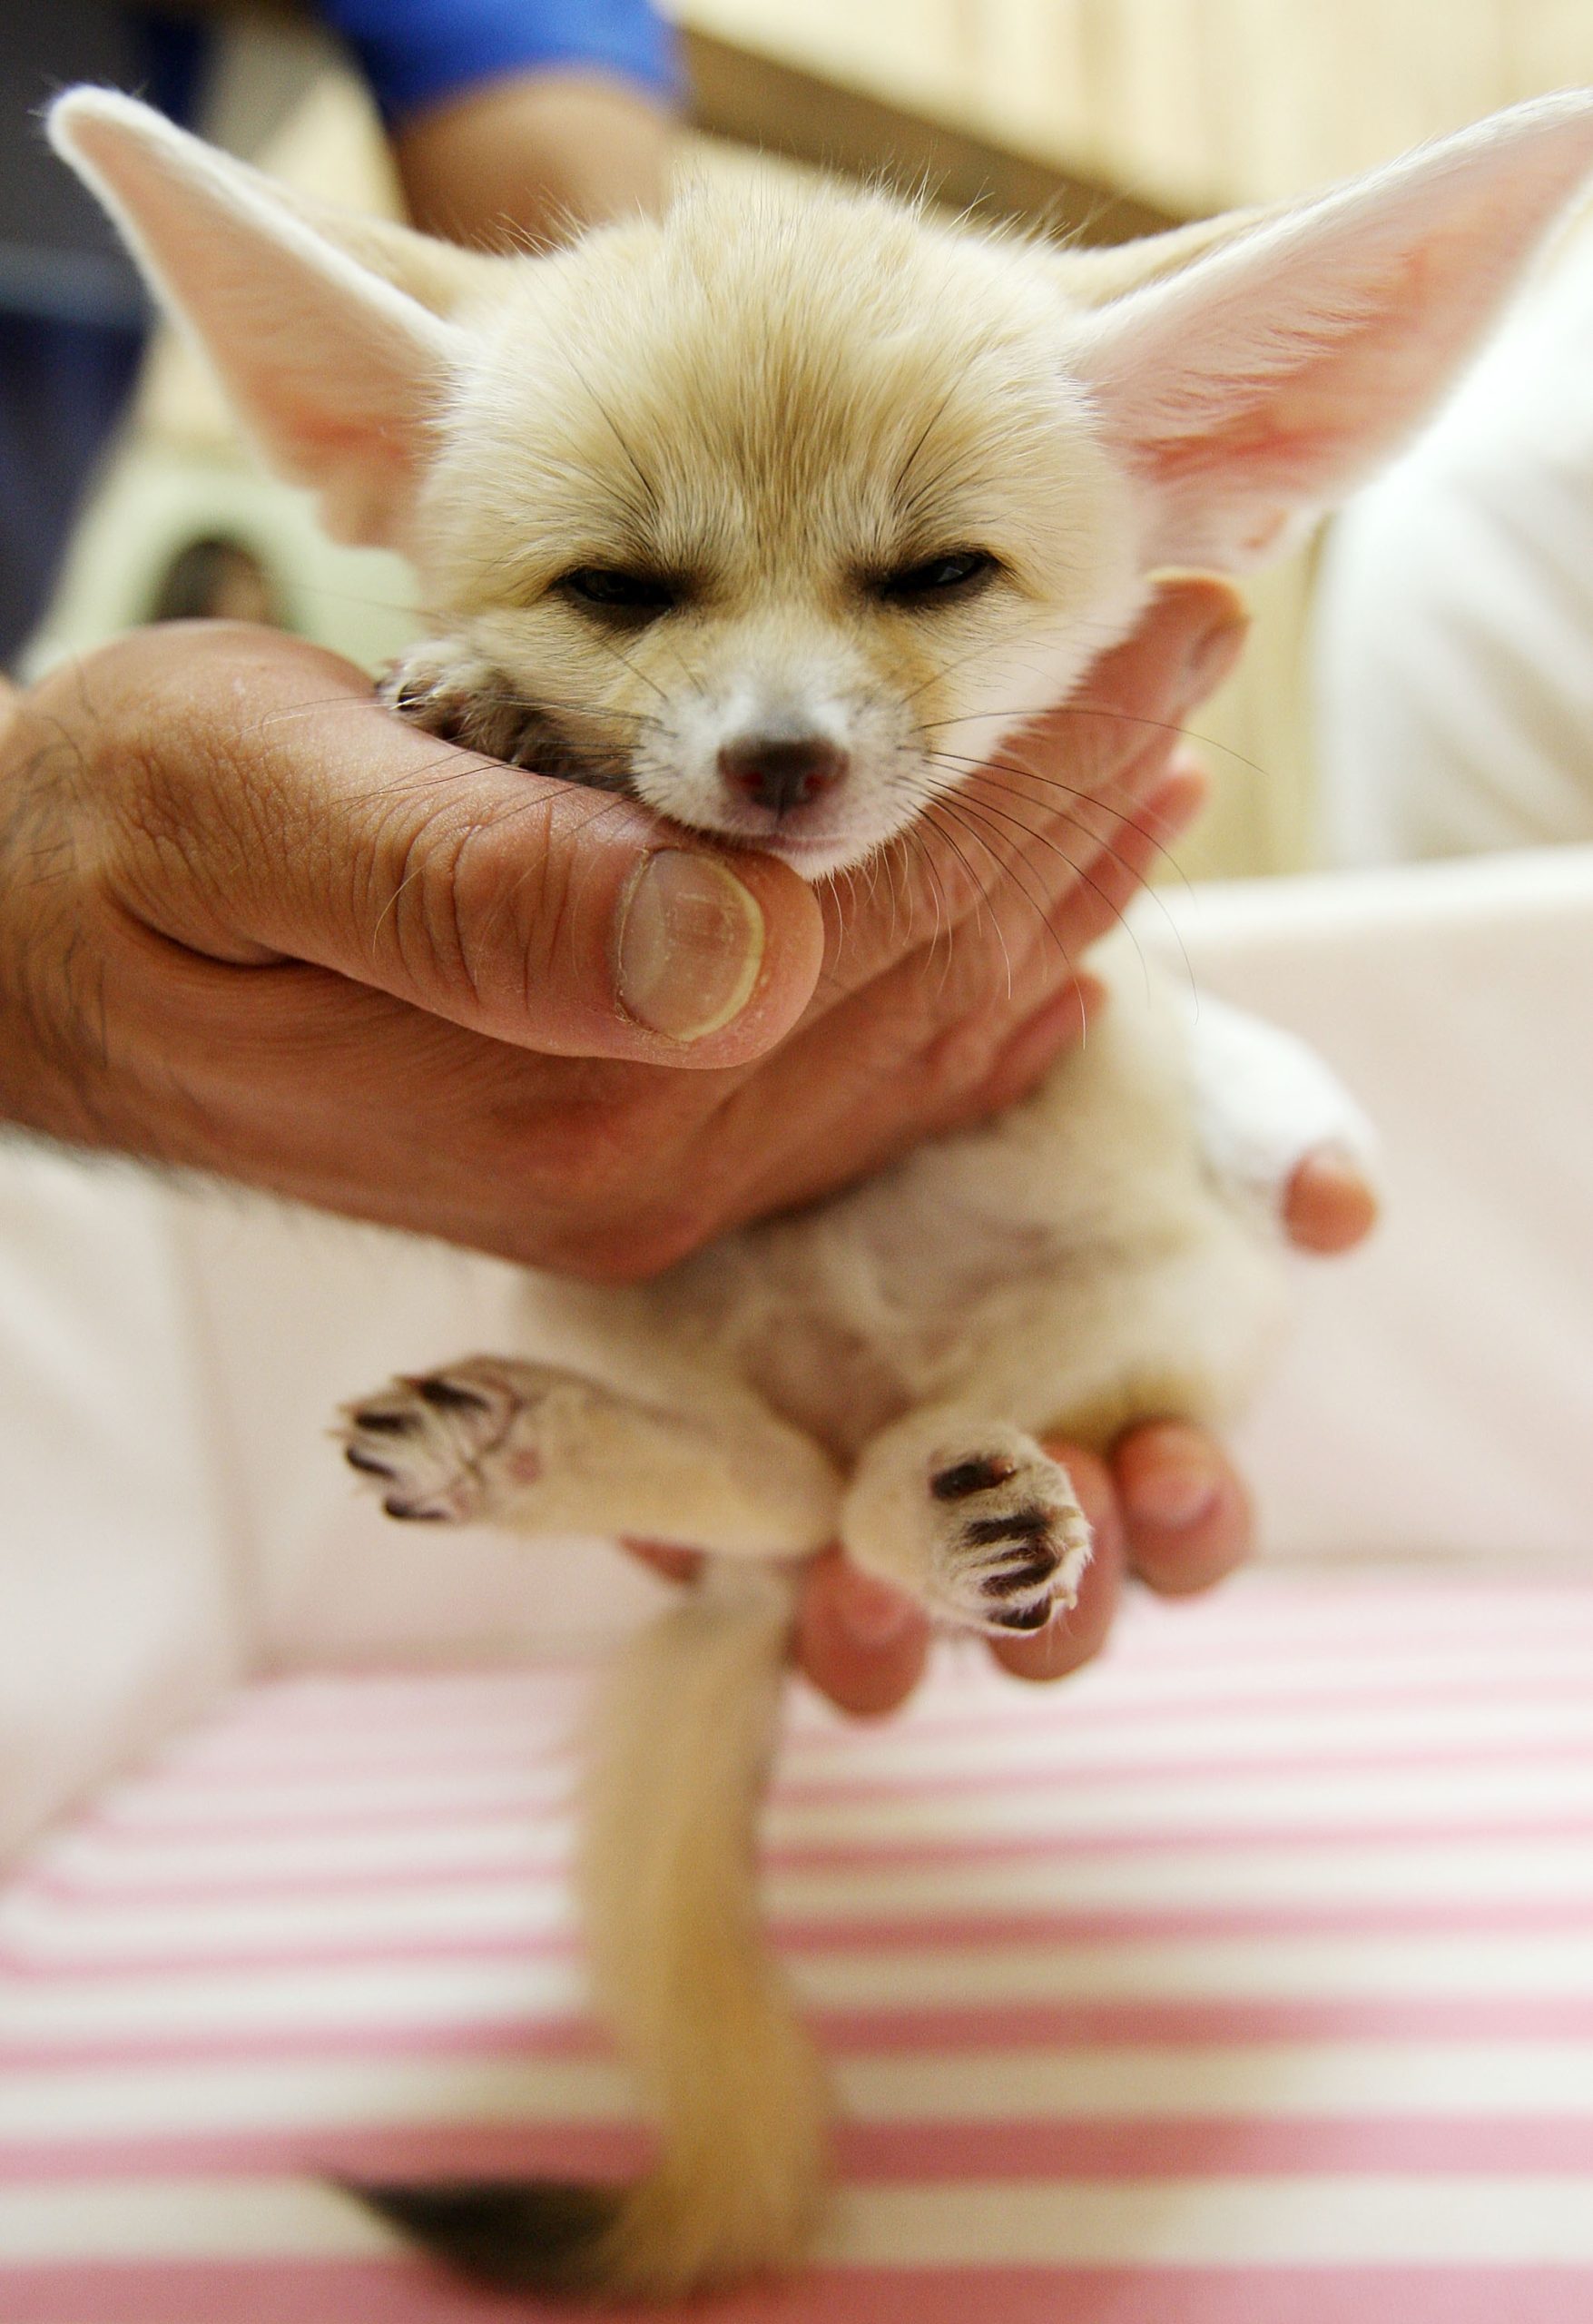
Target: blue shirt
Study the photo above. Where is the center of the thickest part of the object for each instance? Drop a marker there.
(416, 52)
(73, 318)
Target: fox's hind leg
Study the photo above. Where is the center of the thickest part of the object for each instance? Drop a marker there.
(971, 1516)
(537, 1449)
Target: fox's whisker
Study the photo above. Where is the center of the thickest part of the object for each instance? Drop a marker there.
(982, 903)
(1125, 717)
(976, 778)
(998, 817)
(1132, 871)
(970, 820)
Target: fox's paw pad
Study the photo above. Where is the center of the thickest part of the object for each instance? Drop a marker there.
(432, 1443)
(1012, 1543)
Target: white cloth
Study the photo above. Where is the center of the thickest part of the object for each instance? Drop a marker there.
(120, 1606)
(1438, 1395)
(1454, 616)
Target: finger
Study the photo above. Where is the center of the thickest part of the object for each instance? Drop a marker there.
(877, 1085)
(271, 809)
(1072, 776)
(1112, 879)
(1328, 1207)
(1185, 645)
(813, 1120)
(406, 1120)
(1186, 1512)
(290, 1078)
(1108, 885)
(665, 1558)
(1074, 1638)
(1164, 796)
(1023, 1060)
(857, 1640)
(1068, 796)
(604, 1168)
(1076, 857)
(860, 1642)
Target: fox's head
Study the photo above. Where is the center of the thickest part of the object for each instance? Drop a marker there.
(778, 513)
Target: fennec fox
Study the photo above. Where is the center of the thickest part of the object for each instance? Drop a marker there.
(753, 513)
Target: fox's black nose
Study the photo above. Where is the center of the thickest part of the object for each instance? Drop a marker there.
(782, 770)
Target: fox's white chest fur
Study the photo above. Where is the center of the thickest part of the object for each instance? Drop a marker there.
(997, 1263)
(777, 515)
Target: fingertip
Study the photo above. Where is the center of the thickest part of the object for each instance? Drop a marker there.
(1330, 1204)
(1187, 1514)
(1186, 643)
(665, 1558)
(499, 899)
(1197, 600)
(719, 956)
(861, 1643)
(793, 961)
(1205, 615)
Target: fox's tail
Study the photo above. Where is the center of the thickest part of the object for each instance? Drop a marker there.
(684, 1733)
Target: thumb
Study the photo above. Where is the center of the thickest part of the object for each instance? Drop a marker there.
(310, 824)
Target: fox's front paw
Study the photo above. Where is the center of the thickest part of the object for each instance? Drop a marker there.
(1011, 1541)
(445, 688)
(439, 1445)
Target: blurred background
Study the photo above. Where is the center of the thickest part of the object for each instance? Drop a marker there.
(1099, 117)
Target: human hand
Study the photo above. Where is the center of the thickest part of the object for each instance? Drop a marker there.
(251, 923)
(1167, 1507)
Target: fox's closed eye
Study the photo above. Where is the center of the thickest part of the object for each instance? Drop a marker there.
(958, 573)
(615, 593)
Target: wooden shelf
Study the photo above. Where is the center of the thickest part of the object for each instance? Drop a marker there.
(777, 107)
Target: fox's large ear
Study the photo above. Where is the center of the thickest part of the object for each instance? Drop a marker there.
(1266, 378)
(331, 363)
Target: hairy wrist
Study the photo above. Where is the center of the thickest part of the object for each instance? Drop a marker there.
(101, 837)
(47, 996)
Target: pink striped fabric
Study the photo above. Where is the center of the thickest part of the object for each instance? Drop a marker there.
(1246, 1979)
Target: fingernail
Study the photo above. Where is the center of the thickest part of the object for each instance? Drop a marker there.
(871, 1612)
(1178, 1495)
(690, 945)
(1212, 656)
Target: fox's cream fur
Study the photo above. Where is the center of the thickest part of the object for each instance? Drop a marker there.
(751, 514)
